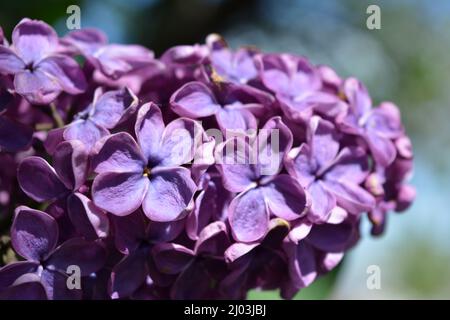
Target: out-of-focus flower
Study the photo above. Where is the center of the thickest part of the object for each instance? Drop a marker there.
(40, 73)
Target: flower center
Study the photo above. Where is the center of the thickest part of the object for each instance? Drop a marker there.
(29, 67)
(147, 171)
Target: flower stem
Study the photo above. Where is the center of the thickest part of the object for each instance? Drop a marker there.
(56, 116)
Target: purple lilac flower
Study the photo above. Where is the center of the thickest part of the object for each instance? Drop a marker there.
(259, 195)
(135, 238)
(297, 86)
(237, 67)
(331, 175)
(112, 60)
(40, 73)
(105, 112)
(34, 237)
(62, 184)
(150, 203)
(233, 106)
(377, 126)
(148, 171)
(198, 271)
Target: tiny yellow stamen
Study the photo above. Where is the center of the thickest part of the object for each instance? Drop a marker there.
(215, 77)
(146, 172)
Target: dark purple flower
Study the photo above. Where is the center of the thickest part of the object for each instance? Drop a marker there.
(34, 237)
(135, 238)
(198, 271)
(63, 183)
(332, 176)
(40, 73)
(258, 264)
(315, 250)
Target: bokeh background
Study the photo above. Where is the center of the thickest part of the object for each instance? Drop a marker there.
(407, 61)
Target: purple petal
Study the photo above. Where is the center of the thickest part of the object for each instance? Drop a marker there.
(300, 231)
(238, 250)
(194, 100)
(302, 264)
(34, 234)
(169, 195)
(65, 71)
(32, 290)
(213, 240)
(164, 231)
(119, 153)
(285, 198)
(171, 258)
(249, 216)
(86, 40)
(149, 129)
(70, 163)
(351, 164)
(323, 141)
(10, 272)
(129, 274)
(333, 237)
(235, 118)
(14, 136)
(86, 131)
(274, 141)
(357, 96)
(39, 180)
(37, 86)
(110, 106)
(33, 40)
(350, 196)
(89, 220)
(129, 231)
(386, 121)
(119, 193)
(89, 256)
(179, 142)
(116, 60)
(10, 63)
(299, 164)
(234, 162)
(322, 202)
(383, 149)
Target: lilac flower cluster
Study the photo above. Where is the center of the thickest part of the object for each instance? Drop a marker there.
(203, 173)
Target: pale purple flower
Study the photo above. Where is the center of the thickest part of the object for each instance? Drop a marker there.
(149, 171)
(112, 60)
(40, 72)
(378, 126)
(297, 86)
(260, 195)
(103, 114)
(238, 67)
(233, 106)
